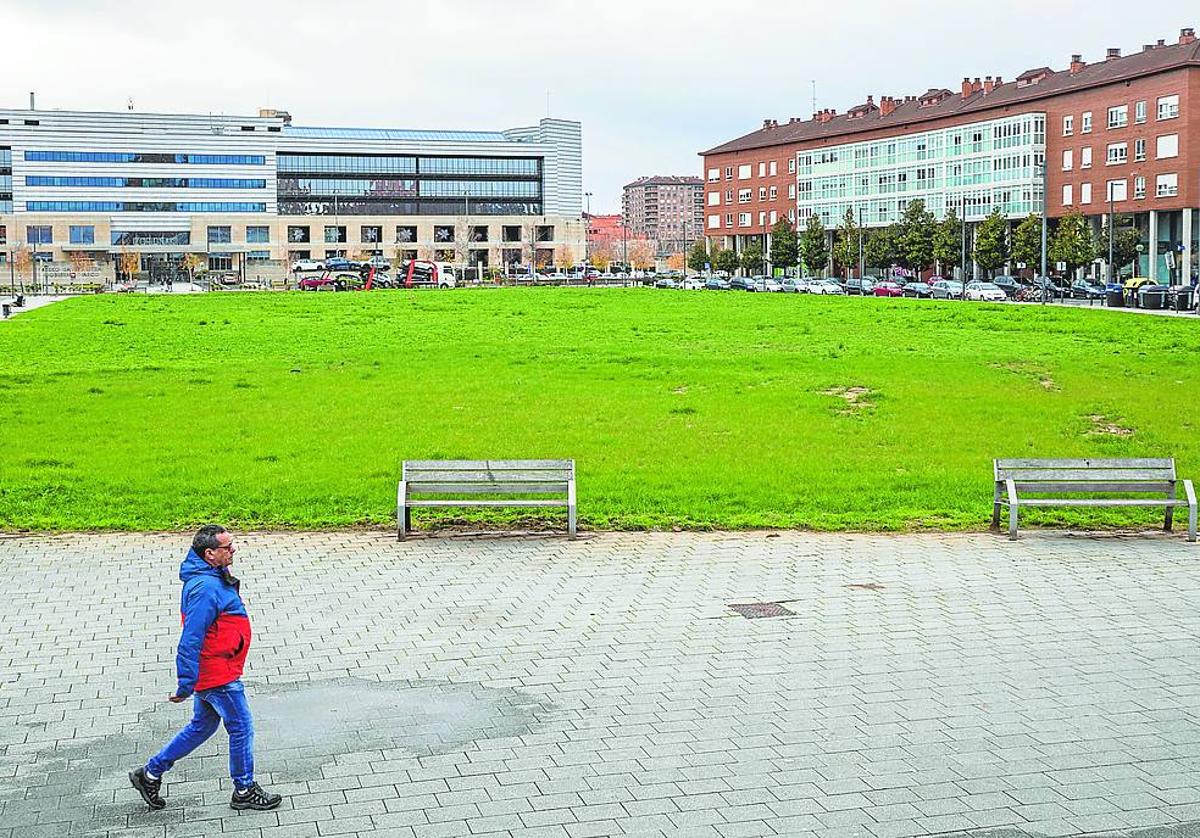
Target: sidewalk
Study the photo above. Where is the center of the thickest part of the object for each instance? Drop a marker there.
(926, 684)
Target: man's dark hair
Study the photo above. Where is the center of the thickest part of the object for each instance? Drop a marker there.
(206, 538)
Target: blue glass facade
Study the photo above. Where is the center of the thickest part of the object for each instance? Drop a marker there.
(144, 157)
(82, 234)
(145, 206)
(148, 182)
(258, 235)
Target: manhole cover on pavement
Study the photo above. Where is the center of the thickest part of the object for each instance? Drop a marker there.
(757, 610)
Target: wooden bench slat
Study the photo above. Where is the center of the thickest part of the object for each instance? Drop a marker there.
(494, 476)
(1092, 486)
(472, 502)
(482, 488)
(483, 465)
(1129, 462)
(1102, 474)
(1023, 502)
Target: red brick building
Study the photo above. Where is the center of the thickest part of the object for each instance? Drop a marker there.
(1128, 126)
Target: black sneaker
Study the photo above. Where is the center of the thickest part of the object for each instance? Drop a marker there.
(147, 788)
(255, 798)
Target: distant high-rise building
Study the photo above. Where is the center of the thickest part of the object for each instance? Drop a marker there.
(667, 209)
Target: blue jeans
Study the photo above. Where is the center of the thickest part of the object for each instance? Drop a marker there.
(211, 707)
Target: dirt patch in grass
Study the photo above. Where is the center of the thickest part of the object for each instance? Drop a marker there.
(1107, 426)
(857, 399)
(1030, 371)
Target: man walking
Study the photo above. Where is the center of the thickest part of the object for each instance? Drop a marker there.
(212, 652)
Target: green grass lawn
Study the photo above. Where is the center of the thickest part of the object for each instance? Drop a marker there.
(681, 409)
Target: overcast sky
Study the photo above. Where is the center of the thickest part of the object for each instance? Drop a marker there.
(653, 81)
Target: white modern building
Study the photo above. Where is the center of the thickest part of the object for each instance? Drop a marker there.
(256, 192)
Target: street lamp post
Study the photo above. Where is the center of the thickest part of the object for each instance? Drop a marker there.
(587, 223)
(1111, 219)
(1045, 205)
(860, 244)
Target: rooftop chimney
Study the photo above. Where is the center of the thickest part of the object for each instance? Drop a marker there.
(886, 105)
(1077, 63)
(1187, 36)
(988, 85)
(966, 88)
(1113, 52)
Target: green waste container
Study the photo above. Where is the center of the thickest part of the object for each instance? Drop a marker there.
(1116, 298)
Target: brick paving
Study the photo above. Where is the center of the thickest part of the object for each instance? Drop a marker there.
(930, 684)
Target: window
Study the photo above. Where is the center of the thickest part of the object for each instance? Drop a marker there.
(729, 196)
(298, 235)
(729, 173)
(762, 169)
(773, 168)
(544, 232)
(1139, 112)
(508, 233)
(1117, 153)
(714, 221)
(1167, 186)
(791, 191)
(1168, 107)
(744, 171)
(1139, 149)
(220, 262)
(744, 196)
(258, 256)
(1139, 187)
(1118, 190)
(762, 193)
(728, 219)
(714, 199)
(220, 235)
(258, 235)
(1068, 125)
(1086, 128)
(791, 165)
(1085, 193)
(1066, 198)
(1118, 117)
(141, 157)
(774, 216)
(1085, 158)
(714, 174)
(1068, 160)
(3, 234)
(762, 219)
(335, 235)
(82, 235)
(1168, 146)
(370, 234)
(743, 219)
(774, 192)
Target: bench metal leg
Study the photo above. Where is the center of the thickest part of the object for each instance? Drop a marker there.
(403, 522)
(1012, 510)
(996, 508)
(1190, 492)
(1168, 518)
(571, 509)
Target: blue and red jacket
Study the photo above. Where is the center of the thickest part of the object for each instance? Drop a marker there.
(216, 628)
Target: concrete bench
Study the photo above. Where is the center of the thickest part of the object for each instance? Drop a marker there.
(460, 482)
(1027, 483)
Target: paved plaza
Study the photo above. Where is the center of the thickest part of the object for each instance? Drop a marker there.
(533, 686)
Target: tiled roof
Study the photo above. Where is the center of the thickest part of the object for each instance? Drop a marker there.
(910, 111)
(667, 180)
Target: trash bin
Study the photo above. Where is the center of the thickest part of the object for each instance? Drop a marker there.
(1116, 298)
(1152, 297)
(5, 310)
(1183, 298)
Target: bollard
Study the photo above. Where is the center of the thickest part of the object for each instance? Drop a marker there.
(7, 310)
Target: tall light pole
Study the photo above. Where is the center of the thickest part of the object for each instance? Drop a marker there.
(860, 244)
(1111, 219)
(1045, 205)
(587, 256)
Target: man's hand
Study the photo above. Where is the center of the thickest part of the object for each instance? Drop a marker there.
(175, 699)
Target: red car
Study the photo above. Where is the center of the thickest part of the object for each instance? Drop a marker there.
(888, 289)
(324, 282)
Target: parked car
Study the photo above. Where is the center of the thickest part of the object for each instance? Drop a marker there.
(947, 289)
(917, 289)
(693, 283)
(338, 263)
(854, 285)
(986, 292)
(665, 282)
(1010, 285)
(1081, 289)
(794, 285)
(741, 283)
(307, 265)
(324, 282)
(715, 283)
(825, 286)
(888, 289)
(1051, 286)
(766, 283)
(379, 263)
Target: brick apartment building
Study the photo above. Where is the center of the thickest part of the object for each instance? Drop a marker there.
(1125, 126)
(668, 210)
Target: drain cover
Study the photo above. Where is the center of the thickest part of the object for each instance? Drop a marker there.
(758, 610)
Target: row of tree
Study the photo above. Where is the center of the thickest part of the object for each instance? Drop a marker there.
(919, 241)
